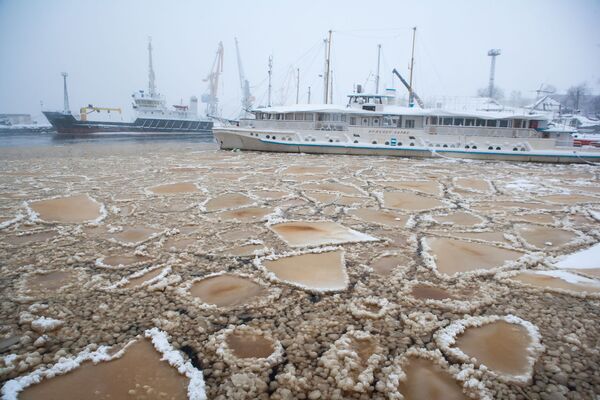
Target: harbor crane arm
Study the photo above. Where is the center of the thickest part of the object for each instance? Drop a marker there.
(213, 82)
(417, 98)
(247, 98)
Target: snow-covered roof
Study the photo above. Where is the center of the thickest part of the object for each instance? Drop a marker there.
(324, 108)
(504, 113)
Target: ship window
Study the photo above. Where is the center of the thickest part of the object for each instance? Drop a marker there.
(387, 143)
(517, 123)
(474, 147)
(299, 116)
(433, 120)
(273, 137)
(162, 124)
(479, 122)
(309, 117)
(503, 123)
(498, 148)
(409, 123)
(446, 121)
(469, 122)
(467, 146)
(491, 148)
(289, 116)
(445, 145)
(515, 149)
(412, 144)
(376, 122)
(352, 120)
(356, 141)
(268, 136)
(491, 122)
(399, 144)
(374, 142)
(459, 121)
(365, 121)
(330, 140)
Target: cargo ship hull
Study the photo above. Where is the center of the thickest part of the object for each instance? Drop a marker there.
(68, 124)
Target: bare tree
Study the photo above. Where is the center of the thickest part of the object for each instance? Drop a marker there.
(576, 94)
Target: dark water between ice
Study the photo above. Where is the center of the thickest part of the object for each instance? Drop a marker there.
(24, 138)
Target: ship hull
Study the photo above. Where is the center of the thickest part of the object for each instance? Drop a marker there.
(232, 138)
(66, 124)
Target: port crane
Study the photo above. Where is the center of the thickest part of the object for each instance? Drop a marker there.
(410, 90)
(247, 98)
(211, 98)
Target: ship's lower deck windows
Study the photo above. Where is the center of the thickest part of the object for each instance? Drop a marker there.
(374, 142)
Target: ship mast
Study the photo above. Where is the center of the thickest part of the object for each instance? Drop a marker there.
(151, 78)
(327, 68)
(378, 64)
(67, 109)
(411, 96)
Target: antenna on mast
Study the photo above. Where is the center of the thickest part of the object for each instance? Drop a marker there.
(270, 76)
(297, 85)
(66, 110)
(151, 77)
(327, 67)
(378, 63)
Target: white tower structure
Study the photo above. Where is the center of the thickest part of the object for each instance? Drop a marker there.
(67, 109)
(492, 53)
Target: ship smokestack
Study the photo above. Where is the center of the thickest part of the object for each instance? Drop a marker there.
(194, 105)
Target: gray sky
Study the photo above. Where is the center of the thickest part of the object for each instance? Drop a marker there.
(102, 45)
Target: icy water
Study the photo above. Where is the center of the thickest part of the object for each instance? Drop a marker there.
(498, 345)
(307, 249)
(426, 380)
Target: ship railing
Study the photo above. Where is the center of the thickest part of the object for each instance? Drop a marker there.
(482, 131)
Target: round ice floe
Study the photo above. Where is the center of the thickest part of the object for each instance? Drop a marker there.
(123, 261)
(369, 307)
(155, 374)
(247, 348)
(173, 188)
(352, 359)
(449, 258)
(505, 346)
(42, 284)
(146, 277)
(226, 290)
(463, 296)
(75, 209)
(424, 374)
(558, 281)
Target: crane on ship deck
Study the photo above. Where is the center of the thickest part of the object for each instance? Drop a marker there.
(84, 111)
(247, 98)
(210, 98)
(410, 90)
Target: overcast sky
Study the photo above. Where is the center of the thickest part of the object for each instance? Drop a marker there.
(102, 45)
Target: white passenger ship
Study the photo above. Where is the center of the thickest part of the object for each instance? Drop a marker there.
(372, 124)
